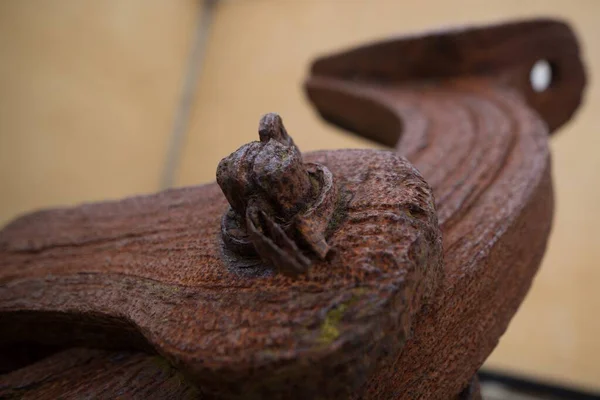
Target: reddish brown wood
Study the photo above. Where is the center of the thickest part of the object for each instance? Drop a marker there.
(93, 374)
(148, 272)
(153, 273)
(502, 55)
(465, 119)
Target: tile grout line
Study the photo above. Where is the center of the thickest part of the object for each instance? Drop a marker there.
(188, 89)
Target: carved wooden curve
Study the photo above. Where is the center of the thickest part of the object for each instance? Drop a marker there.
(324, 276)
(461, 108)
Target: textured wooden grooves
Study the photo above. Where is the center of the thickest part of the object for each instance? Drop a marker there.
(483, 149)
(127, 273)
(95, 374)
(147, 272)
(502, 54)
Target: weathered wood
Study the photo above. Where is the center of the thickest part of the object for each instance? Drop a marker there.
(153, 272)
(463, 115)
(149, 272)
(97, 374)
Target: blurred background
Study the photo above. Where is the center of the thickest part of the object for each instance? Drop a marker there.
(105, 99)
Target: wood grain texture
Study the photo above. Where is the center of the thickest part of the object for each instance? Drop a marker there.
(256, 60)
(97, 374)
(148, 272)
(484, 151)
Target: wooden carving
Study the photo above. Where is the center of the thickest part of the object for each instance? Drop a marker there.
(316, 275)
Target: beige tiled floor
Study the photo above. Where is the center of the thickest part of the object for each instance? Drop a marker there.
(88, 93)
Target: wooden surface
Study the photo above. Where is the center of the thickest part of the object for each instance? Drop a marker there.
(92, 374)
(460, 107)
(150, 272)
(154, 272)
(554, 334)
(258, 55)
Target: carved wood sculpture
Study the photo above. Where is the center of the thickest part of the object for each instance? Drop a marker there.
(324, 275)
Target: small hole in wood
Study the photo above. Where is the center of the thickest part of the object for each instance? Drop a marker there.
(540, 76)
